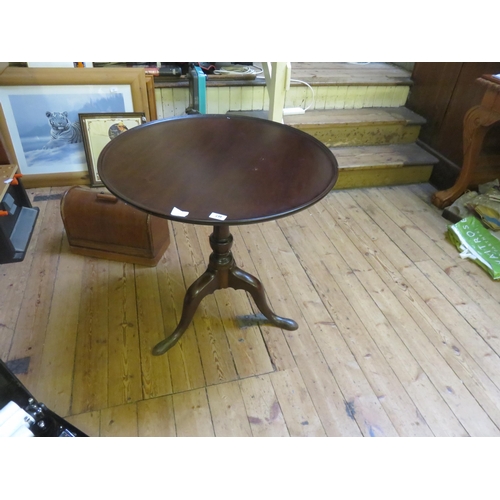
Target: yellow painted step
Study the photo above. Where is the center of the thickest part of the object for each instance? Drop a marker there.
(359, 127)
(388, 165)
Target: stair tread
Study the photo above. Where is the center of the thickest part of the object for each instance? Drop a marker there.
(343, 73)
(392, 155)
(329, 117)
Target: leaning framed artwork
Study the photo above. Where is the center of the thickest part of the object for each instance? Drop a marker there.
(42, 106)
(98, 130)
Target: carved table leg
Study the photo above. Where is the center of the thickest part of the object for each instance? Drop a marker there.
(203, 286)
(221, 272)
(476, 123)
(241, 280)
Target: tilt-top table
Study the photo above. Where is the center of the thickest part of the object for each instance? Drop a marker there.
(218, 170)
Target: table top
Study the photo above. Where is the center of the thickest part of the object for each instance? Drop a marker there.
(217, 169)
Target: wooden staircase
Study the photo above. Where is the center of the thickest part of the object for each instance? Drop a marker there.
(357, 110)
(373, 146)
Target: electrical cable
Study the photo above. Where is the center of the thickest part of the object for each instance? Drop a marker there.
(238, 70)
(310, 88)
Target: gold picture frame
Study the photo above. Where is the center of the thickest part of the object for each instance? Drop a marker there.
(98, 129)
(52, 84)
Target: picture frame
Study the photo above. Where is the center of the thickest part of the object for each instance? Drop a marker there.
(27, 95)
(150, 89)
(101, 128)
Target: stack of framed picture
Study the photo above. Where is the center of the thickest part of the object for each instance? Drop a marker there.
(98, 129)
(59, 119)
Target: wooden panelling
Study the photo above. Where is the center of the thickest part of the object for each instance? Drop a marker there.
(443, 93)
(430, 96)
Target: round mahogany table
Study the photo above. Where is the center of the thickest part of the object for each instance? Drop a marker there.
(218, 170)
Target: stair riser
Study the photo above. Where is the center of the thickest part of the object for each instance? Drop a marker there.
(172, 102)
(348, 96)
(383, 176)
(364, 135)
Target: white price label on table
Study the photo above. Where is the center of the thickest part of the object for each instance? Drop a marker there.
(178, 213)
(213, 215)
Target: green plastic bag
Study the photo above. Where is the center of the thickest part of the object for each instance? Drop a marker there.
(475, 242)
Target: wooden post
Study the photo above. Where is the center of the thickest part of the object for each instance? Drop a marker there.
(277, 83)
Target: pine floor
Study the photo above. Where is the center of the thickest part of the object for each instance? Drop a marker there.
(397, 335)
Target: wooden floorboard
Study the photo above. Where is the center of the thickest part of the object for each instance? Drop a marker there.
(398, 336)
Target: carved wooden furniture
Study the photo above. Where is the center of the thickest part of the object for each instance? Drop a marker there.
(476, 168)
(221, 171)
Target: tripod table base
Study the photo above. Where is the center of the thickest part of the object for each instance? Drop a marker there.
(222, 272)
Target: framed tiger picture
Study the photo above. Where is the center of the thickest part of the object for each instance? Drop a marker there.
(42, 106)
(100, 128)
